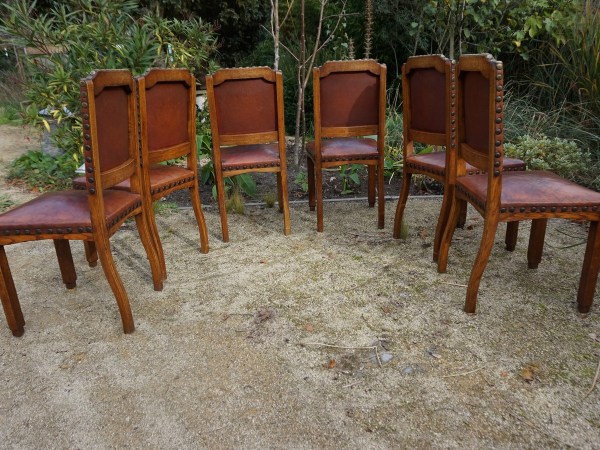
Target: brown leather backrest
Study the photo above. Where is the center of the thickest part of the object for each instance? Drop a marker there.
(427, 90)
(246, 106)
(349, 98)
(167, 102)
(481, 97)
(109, 117)
(475, 98)
(112, 126)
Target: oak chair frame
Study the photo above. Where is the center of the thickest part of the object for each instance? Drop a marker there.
(149, 158)
(493, 209)
(235, 139)
(100, 228)
(447, 139)
(315, 162)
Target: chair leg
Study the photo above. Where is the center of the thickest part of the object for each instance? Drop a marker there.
(91, 255)
(512, 233)
(442, 220)
(462, 218)
(141, 221)
(536, 242)
(310, 168)
(483, 255)
(591, 267)
(404, 191)
(10, 301)
(380, 196)
(116, 284)
(279, 192)
(65, 263)
(371, 187)
(151, 220)
(221, 201)
(447, 235)
(197, 206)
(319, 197)
(283, 201)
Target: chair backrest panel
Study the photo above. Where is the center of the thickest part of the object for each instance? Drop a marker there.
(475, 110)
(246, 106)
(112, 126)
(427, 91)
(110, 138)
(167, 114)
(349, 99)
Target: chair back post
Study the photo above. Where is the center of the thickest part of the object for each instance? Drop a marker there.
(214, 127)
(108, 103)
(382, 105)
(317, 113)
(481, 128)
(280, 119)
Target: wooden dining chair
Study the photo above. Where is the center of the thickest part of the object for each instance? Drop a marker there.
(246, 118)
(429, 117)
(349, 108)
(167, 126)
(501, 196)
(109, 118)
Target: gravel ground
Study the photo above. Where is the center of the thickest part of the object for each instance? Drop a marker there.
(341, 339)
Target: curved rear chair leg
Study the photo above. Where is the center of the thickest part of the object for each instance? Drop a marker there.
(483, 255)
(462, 218)
(116, 284)
(536, 242)
(319, 197)
(512, 232)
(371, 186)
(283, 201)
(447, 235)
(151, 219)
(380, 196)
(589, 272)
(197, 206)
(442, 220)
(221, 201)
(91, 255)
(151, 251)
(10, 301)
(279, 192)
(310, 169)
(65, 263)
(404, 190)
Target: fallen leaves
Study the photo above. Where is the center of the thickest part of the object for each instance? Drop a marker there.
(529, 372)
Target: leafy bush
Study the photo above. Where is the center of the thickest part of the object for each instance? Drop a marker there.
(5, 202)
(40, 170)
(78, 36)
(557, 155)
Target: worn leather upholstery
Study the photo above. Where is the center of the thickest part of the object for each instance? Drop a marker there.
(250, 156)
(64, 213)
(435, 163)
(338, 149)
(548, 191)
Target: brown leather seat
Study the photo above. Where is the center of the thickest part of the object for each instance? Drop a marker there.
(429, 109)
(505, 196)
(111, 156)
(246, 117)
(349, 104)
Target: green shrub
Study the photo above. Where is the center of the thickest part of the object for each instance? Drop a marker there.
(79, 36)
(5, 202)
(40, 170)
(557, 155)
